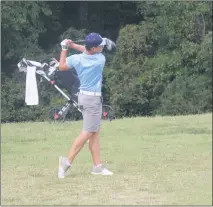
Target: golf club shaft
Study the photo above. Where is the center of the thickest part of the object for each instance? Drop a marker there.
(78, 41)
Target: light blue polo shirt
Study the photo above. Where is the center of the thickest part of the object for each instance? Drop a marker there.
(89, 69)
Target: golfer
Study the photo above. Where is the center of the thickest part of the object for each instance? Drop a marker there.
(89, 67)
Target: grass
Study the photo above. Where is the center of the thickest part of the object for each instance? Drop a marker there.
(156, 161)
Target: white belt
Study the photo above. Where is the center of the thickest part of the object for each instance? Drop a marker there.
(90, 93)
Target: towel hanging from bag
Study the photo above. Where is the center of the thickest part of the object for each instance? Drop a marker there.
(31, 90)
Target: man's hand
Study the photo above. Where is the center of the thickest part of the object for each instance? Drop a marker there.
(66, 43)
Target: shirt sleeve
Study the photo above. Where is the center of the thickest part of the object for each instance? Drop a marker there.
(69, 61)
(103, 60)
(72, 61)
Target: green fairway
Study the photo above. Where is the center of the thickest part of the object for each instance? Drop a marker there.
(156, 161)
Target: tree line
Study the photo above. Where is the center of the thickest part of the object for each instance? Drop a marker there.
(162, 64)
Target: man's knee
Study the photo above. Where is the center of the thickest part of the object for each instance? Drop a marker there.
(95, 135)
(88, 135)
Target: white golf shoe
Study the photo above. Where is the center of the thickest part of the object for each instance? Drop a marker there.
(101, 170)
(62, 167)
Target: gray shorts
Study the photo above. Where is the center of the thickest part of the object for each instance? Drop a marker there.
(91, 107)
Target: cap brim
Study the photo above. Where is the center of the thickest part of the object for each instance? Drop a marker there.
(103, 42)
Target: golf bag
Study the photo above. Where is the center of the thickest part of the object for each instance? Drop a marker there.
(62, 80)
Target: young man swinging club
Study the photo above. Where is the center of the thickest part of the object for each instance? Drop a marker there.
(89, 67)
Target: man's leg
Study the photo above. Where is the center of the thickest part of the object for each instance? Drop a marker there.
(94, 146)
(65, 162)
(78, 144)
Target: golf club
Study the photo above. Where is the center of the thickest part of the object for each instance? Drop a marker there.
(109, 43)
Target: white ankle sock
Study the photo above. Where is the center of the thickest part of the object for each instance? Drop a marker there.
(99, 165)
(67, 162)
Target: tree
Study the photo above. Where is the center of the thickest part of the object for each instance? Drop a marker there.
(151, 55)
(21, 26)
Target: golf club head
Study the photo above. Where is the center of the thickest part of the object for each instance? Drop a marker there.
(109, 44)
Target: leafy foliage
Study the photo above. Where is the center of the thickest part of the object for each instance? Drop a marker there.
(161, 58)
(21, 26)
(162, 63)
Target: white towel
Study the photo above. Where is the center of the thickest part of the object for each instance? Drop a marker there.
(31, 90)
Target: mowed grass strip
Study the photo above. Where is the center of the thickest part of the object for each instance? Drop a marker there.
(156, 161)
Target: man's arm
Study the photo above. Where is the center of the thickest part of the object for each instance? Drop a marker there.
(77, 47)
(62, 62)
(65, 44)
